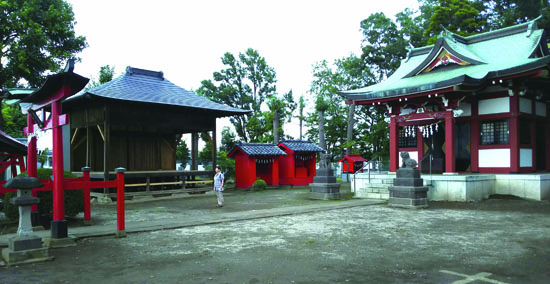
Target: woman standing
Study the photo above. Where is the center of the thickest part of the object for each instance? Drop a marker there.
(218, 186)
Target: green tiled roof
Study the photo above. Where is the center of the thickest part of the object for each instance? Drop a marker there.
(491, 55)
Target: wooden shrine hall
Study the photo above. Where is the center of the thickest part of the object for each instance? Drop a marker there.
(136, 121)
(476, 104)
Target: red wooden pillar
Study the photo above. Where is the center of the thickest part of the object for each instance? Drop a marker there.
(120, 221)
(87, 206)
(474, 140)
(513, 135)
(394, 144)
(31, 148)
(59, 224)
(449, 142)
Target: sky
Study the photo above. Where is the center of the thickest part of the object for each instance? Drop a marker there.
(186, 39)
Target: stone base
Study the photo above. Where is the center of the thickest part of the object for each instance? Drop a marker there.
(408, 197)
(408, 203)
(69, 241)
(26, 256)
(87, 223)
(120, 234)
(324, 191)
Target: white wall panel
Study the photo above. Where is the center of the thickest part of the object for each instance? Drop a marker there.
(525, 105)
(494, 158)
(498, 105)
(525, 157)
(540, 108)
(466, 108)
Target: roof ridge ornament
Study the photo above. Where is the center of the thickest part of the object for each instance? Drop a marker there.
(532, 26)
(446, 33)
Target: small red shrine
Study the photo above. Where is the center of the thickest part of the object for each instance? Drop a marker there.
(256, 161)
(12, 154)
(351, 163)
(298, 166)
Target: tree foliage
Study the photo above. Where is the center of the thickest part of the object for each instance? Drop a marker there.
(36, 37)
(245, 82)
(106, 74)
(182, 153)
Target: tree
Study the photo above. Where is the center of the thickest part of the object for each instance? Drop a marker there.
(280, 109)
(182, 153)
(228, 140)
(462, 17)
(245, 83)
(301, 117)
(36, 36)
(14, 120)
(106, 74)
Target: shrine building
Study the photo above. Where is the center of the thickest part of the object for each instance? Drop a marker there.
(472, 105)
(256, 161)
(298, 166)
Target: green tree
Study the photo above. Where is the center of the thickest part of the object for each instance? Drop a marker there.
(106, 74)
(36, 36)
(182, 153)
(14, 120)
(462, 17)
(245, 83)
(228, 140)
(301, 117)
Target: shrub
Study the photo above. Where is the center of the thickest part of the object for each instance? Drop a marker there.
(74, 199)
(259, 185)
(11, 211)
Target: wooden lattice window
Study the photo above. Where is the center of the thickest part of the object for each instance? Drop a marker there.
(406, 141)
(494, 132)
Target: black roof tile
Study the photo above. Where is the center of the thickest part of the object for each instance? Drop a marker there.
(260, 149)
(301, 146)
(147, 86)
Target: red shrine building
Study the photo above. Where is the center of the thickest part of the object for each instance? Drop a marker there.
(298, 166)
(476, 104)
(256, 161)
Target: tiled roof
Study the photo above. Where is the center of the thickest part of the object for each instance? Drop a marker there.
(352, 157)
(301, 146)
(10, 145)
(147, 86)
(487, 56)
(259, 149)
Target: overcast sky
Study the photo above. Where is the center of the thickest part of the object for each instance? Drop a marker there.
(186, 39)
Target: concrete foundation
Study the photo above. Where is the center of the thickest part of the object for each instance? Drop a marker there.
(408, 190)
(462, 187)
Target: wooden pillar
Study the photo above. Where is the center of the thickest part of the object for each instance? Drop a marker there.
(513, 136)
(106, 147)
(214, 148)
(31, 148)
(59, 224)
(449, 142)
(194, 151)
(474, 139)
(394, 144)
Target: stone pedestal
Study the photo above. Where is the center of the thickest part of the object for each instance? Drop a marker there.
(408, 190)
(26, 247)
(324, 185)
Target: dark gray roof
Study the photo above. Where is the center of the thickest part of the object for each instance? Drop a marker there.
(147, 86)
(11, 145)
(301, 146)
(259, 149)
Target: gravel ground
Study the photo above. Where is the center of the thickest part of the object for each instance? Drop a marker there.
(493, 241)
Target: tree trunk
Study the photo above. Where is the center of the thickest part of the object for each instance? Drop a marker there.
(276, 127)
(301, 128)
(322, 142)
(351, 122)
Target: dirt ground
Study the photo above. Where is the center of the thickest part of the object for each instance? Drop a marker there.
(499, 240)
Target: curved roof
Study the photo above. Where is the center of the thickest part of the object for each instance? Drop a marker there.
(10, 145)
(301, 146)
(494, 54)
(258, 149)
(145, 86)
